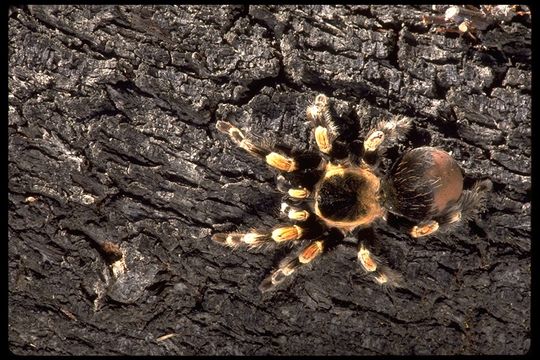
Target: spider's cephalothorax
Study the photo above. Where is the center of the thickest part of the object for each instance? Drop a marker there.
(425, 186)
(347, 197)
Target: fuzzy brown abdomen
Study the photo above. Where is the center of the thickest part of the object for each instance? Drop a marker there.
(424, 183)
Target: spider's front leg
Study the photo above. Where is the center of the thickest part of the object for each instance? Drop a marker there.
(272, 158)
(324, 129)
(279, 235)
(263, 150)
(305, 224)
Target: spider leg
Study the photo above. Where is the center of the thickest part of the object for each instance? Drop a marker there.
(272, 158)
(324, 129)
(266, 152)
(380, 273)
(279, 235)
(295, 213)
(471, 202)
(300, 186)
(298, 193)
(384, 131)
(290, 264)
(474, 200)
(424, 228)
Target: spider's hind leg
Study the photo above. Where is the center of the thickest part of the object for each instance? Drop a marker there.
(474, 200)
(429, 227)
(376, 269)
(471, 202)
(384, 131)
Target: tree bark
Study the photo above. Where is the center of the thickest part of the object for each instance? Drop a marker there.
(118, 178)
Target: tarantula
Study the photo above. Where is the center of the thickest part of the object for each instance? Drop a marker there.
(329, 196)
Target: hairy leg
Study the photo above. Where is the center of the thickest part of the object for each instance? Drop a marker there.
(278, 235)
(272, 158)
(290, 264)
(384, 131)
(379, 272)
(471, 202)
(324, 129)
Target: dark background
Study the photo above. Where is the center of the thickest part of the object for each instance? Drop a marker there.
(114, 159)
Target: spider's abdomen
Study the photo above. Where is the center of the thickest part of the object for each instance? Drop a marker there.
(347, 197)
(424, 183)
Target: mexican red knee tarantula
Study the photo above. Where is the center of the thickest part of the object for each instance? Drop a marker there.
(328, 197)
